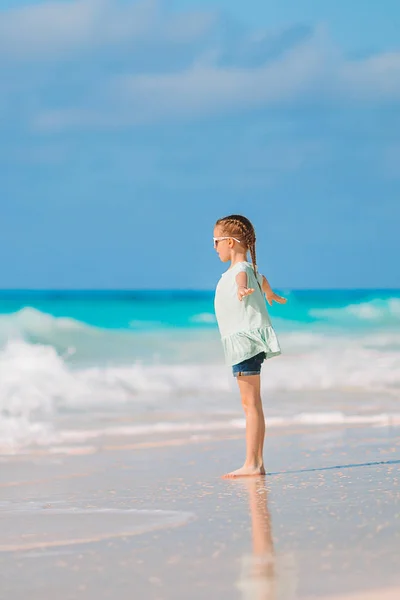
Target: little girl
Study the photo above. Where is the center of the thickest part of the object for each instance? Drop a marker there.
(245, 327)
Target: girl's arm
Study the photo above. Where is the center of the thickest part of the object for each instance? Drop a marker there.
(270, 294)
(242, 289)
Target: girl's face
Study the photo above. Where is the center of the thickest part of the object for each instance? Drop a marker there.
(223, 247)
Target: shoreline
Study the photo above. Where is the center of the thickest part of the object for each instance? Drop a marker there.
(108, 440)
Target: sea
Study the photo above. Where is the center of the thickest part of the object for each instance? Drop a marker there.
(80, 366)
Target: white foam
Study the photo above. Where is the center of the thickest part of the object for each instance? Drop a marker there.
(378, 310)
(37, 381)
(145, 429)
(204, 318)
(30, 321)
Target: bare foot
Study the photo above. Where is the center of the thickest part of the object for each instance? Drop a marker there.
(245, 472)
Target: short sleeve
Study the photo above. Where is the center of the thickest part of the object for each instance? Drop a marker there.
(241, 268)
(248, 269)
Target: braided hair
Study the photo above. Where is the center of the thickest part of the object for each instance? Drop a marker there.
(241, 228)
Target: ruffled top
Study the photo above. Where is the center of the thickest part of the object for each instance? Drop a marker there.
(245, 326)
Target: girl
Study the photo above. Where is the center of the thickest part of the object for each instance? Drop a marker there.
(245, 327)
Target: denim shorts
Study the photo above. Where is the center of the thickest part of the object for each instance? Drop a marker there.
(250, 366)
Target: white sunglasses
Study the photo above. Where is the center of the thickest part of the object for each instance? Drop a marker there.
(229, 237)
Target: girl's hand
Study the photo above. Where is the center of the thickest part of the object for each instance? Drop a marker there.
(272, 297)
(244, 291)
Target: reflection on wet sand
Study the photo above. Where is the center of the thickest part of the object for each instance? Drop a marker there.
(262, 576)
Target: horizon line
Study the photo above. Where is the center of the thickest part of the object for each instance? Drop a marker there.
(185, 290)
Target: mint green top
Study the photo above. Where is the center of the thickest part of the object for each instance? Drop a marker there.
(244, 325)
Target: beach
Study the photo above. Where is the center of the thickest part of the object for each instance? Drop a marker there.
(118, 418)
(165, 167)
(155, 520)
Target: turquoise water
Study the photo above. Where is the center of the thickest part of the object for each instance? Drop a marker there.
(77, 352)
(150, 310)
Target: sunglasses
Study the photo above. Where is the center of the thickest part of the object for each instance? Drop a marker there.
(219, 239)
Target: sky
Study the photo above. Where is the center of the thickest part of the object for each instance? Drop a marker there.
(128, 127)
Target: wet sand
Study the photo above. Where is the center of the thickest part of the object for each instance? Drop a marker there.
(155, 520)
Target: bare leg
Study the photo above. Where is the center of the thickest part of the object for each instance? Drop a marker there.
(262, 432)
(249, 386)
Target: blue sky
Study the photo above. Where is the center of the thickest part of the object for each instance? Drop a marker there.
(128, 127)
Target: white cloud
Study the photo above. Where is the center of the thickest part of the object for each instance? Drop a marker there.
(45, 30)
(208, 89)
(310, 73)
(134, 62)
(202, 89)
(374, 78)
(50, 31)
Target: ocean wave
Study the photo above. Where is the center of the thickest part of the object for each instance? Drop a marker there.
(204, 318)
(32, 325)
(51, 365)
(87, 344)
(37, 383)
(382, 312)
(198, 341)
(30, 320)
